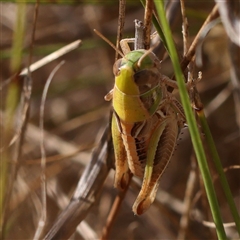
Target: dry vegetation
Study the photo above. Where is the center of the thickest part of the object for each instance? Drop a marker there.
(76, 116)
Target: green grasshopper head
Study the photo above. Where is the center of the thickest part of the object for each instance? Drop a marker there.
(137, 72)
(137, 92)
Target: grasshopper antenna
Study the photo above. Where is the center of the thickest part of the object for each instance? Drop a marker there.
(107, 41)
(146, 53)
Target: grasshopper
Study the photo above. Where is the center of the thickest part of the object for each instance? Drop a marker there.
(146, 122)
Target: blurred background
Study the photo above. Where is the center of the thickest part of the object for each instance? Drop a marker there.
(76, 115)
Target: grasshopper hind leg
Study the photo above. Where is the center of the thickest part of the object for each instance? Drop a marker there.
(164, 141)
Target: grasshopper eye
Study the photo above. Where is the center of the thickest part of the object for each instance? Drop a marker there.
(146, 79)
(141, 77)
(116, 67)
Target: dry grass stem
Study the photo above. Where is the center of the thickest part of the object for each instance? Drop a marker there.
(51, 57)
(147, 23)
(43, 218)
(191, 51)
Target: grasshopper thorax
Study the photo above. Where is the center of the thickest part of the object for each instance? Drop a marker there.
(137, 91)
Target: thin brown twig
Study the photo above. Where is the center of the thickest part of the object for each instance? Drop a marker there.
(147, 23)
(121, 21)
(114, 211)
(33, 36)
(192, 49)
(184, 27)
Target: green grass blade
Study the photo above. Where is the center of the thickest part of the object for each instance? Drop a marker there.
(220, 171)
(12, 100)
(195, 136)
(18, 38)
